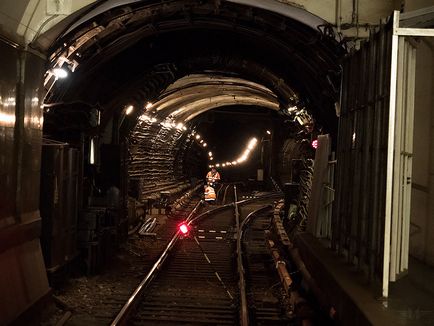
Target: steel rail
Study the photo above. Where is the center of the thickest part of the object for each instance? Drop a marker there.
(123, 314)
(244, 311)
(219, 191)
(225, 193)
(122, 317)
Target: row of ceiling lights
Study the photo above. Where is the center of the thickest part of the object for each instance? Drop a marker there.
(169, 123)
(242, 158)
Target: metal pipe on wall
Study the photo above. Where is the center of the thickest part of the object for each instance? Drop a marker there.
(338, 13)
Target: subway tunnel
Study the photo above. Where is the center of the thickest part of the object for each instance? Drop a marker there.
(184, 63)
(113, 112)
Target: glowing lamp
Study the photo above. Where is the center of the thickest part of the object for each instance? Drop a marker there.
(129, 109)
(183, 228)
(60, 73)
(315, 143)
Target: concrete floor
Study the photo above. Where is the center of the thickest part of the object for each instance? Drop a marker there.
(412, 297)
(410, 302)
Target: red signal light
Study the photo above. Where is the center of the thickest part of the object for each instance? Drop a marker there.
(315, 143)
(184, 228)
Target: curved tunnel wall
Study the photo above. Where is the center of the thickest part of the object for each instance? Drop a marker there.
(156, 159)
(305, 58)
(296, 62)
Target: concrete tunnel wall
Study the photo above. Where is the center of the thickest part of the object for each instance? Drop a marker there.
(158, 158)
(422, 195)
(422, 206)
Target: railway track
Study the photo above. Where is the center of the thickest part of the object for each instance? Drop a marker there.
(199, 283)
(188, 289)
(266, 298)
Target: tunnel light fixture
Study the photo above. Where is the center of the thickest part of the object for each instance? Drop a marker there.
(184, 128)
(197, 136)
(245, 155)
(148, 105)
(92, 151)
(211, 158)
(145, 117)
(180, 126)
(210, 154)
(252, 143)
(60, 73)
(129, 109)
(268, 132)
(250, 146)
(204, 144)
(166, 124)
(292, 109)
(7, 119)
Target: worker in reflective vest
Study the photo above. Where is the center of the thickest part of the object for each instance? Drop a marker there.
(210, 195)
(213, 176)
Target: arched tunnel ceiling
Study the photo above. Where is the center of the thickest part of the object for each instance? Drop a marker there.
(132, 52)
(83, 15)
(195, 94)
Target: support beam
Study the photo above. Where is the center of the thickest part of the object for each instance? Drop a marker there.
(414, 31)
(390, 156)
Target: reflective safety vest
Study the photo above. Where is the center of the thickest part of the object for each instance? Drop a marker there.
(213, 177)
(209, 193)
